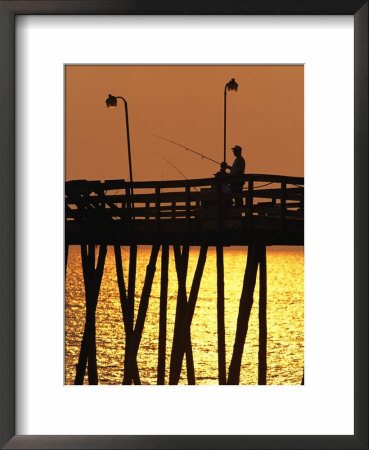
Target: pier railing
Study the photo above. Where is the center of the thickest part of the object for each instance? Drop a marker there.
(204, 200)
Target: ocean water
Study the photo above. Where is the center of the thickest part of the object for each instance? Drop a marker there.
(285, 317)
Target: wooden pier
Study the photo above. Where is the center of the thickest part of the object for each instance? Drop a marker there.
(181, 214)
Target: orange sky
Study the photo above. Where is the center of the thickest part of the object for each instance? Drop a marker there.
(184, 104)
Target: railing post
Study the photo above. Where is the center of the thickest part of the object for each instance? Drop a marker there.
(283, 204)
(250, 201)
(157, 206)
(219, 206)
(101, 197)
(129, 205)
(147, 206)
(188, 207)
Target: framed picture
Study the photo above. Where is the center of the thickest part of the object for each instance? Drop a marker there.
(209, 236)
(298, 58)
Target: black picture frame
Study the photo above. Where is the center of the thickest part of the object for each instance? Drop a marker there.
(8, 11)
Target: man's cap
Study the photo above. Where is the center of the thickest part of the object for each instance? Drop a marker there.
(237, 147)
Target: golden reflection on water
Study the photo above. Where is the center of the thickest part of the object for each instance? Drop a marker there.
(285, 317)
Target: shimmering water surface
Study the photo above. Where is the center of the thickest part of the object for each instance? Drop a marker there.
(285, 317)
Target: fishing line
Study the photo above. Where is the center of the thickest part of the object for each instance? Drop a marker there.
(183, 175)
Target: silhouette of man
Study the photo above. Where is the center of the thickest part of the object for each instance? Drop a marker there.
(222, 174)
(237, 169)
(224, 186)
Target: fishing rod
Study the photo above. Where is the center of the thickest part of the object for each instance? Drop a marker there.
(183, 175)
(188, 149)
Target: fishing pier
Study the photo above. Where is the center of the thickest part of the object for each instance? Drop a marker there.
(181, 214)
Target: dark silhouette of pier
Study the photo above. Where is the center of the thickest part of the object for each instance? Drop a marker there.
(269, 211)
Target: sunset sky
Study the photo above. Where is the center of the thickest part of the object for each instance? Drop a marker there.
(184, 104)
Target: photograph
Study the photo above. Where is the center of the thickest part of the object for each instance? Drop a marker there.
(184, 225)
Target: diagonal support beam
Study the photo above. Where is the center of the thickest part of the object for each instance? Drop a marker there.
(246, 302)
(126, 311)
(141, 315)
(92, 279)
(182, 338)
(181, 261)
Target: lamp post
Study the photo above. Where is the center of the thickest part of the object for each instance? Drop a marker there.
(111, 101)
(230, 86)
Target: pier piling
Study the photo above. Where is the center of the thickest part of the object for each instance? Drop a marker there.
(262, 364)
(220, 316)
(182, 339)
(244, 311)
(163, 314)
(126, 312)
(92, 279)
(141, 315)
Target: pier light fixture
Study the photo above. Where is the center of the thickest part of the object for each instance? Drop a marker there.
(112, 101)
(232, 85)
